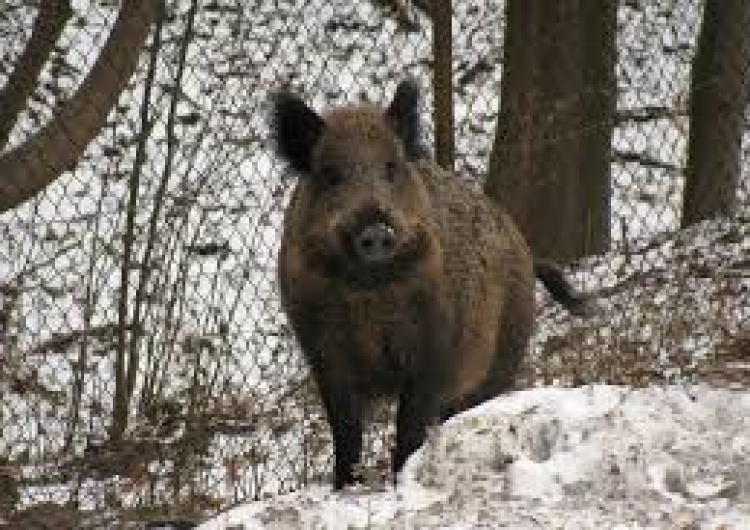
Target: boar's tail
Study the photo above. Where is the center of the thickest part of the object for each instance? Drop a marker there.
(560, 288)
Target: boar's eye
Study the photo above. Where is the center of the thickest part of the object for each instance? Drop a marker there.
(330, 176)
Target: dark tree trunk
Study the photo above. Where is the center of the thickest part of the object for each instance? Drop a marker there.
(442, 50)
(550, 162)
(718, 98)
(599, 26)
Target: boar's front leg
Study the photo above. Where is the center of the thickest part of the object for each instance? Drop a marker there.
(344, 413)
(417, 409)
(419, 397)
(343, 410)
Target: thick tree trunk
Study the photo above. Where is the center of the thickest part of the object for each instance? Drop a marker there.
(550, 162)
(48, 25)
(32, 166)
(718, 98)
(599, 27)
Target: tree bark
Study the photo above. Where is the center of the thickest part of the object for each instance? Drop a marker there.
(550, 162)
(442, 52)
(718, 97)
(48, 25)
(599, 27)
(32, 166)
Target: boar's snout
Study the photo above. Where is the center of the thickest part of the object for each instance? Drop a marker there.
(375, 244)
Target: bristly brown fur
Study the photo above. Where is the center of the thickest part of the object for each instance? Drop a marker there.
(444, 324)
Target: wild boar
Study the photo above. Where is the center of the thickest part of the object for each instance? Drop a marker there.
(397, 279)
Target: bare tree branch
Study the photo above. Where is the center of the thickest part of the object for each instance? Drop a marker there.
(125, 381)
(120, 406)
(647, 113)
(643, 159)
(48, 25)
(29, 168)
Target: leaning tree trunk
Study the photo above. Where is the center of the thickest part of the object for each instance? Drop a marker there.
(32, 166)
(49, 24)
(718, 97)
(550, 162)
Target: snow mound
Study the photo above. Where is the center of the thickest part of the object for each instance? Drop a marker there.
(591, 457)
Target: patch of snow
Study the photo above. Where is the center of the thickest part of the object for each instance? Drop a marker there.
(598, 456)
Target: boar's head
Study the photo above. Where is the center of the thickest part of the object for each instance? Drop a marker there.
(362, 207)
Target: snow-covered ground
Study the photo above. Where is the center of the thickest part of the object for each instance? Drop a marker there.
(588, 457)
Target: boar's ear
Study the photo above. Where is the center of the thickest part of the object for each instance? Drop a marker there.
(296, 129)
(403, 114)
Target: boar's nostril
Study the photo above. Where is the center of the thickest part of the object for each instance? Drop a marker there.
(376, 244)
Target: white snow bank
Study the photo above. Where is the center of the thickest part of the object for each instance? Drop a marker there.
(590, 457)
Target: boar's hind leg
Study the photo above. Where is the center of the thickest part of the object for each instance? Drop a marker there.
(513, 341)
